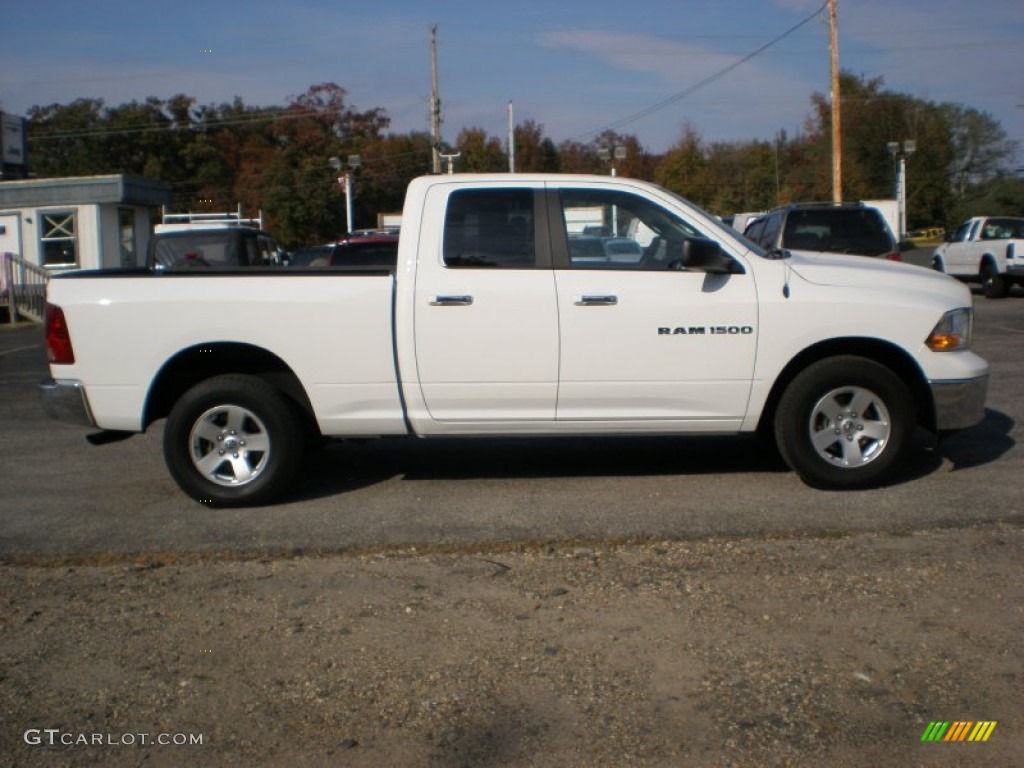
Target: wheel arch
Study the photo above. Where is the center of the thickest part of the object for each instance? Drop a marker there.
(885, 353)
(987, 259)
(199, 362)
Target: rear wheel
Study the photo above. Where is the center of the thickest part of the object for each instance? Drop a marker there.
(844, 423)
(993, 285)
(233, 440)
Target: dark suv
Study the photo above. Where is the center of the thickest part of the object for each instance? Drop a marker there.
(830, 227)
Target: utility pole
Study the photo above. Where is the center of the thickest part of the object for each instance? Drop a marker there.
(837, 136)
(435, 102)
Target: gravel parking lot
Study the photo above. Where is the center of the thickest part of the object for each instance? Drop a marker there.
(668, 604)
(752, 652)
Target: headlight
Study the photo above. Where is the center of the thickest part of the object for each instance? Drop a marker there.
(953, 331)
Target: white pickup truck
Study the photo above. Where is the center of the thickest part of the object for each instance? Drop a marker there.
(987, 250)
(506, 315)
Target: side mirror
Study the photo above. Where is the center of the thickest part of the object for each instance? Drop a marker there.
(701, 254)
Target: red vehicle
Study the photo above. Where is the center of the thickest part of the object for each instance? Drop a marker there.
(373, 251)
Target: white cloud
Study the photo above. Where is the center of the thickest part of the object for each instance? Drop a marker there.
(639, 53)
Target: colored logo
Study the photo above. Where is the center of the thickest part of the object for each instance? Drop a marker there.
(959, 730)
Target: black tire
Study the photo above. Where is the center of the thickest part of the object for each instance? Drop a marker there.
(233, 440)
(993, 285)
(937, 264)
(844, 423)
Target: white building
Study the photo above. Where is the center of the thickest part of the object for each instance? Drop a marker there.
(88, 222)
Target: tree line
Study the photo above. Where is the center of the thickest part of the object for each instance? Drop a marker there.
(279, 159)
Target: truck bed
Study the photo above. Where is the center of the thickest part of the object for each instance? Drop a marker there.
(140, 312)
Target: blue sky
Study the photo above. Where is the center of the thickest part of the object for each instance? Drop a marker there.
(575, 68)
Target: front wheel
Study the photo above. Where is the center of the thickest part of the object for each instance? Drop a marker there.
(844, 423)
(233, 440)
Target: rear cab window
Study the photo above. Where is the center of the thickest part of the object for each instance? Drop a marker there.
(223, 248)
(176, 250)
(856, 230)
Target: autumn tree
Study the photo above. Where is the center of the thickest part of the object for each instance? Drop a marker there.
(389, 164)
(279, 158)
(954, 145)
(684, 168)
(66, 139)
(744, 176)
(311, 142)
(480, 153)
(980, 147)
(534, 152)
(578, 157)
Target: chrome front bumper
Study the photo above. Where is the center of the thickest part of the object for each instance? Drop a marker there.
(65, 400)
(959, 404)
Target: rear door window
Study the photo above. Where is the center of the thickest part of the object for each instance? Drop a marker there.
(490, 228)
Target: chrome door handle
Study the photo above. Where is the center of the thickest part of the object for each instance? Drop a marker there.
(596, 301)
(451, 301)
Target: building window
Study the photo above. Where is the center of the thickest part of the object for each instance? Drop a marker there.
(126, 226)
(59, 241)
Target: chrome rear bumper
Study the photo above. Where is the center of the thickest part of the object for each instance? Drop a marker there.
(65, 400)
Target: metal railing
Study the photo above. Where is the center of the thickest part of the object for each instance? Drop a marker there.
(22, 288)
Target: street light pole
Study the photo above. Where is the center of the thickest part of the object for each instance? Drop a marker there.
(617, 152)
(348, 201)
(450, 159)
(901, 151)
(345, 182)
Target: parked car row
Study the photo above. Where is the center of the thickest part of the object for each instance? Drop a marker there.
(987, 250)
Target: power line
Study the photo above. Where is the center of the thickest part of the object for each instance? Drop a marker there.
(701, 84)
(261, 117)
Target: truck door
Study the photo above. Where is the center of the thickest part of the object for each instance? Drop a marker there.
(642, 336)
(486, 324)
(958, 252)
